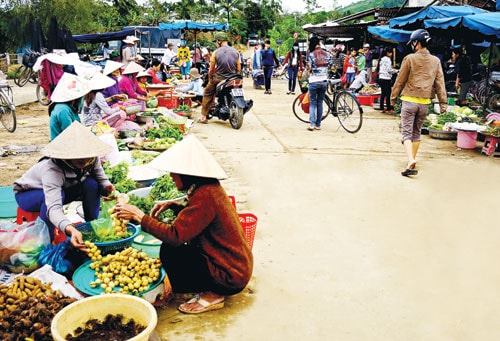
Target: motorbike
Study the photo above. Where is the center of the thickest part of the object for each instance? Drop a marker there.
(230, 103)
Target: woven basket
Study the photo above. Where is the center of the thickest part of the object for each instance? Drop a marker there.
(249, 224)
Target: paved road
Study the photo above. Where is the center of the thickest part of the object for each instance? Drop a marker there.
(347, 248)
(25, 94)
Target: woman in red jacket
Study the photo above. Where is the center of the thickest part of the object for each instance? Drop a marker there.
(204, 249)
(294, 60)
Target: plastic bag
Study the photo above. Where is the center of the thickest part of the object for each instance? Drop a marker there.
(343, 79)
(20, 245)
(63, 258)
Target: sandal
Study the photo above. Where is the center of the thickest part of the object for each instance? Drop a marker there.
(204, 305)
(408, 172)
(204, 121)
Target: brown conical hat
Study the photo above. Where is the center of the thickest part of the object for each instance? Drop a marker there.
(76, 142)
(189, 157)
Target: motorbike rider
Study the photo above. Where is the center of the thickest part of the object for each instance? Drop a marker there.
(224, 63)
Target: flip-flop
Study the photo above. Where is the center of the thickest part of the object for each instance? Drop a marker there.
(203, 121)
(408, 172)
(206, 306)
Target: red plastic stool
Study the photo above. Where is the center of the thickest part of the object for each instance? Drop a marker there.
(23, 216)
(490, 145)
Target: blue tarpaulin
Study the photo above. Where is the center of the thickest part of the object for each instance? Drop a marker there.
(391, 35)
(94, 38)
(475, 28)
(414, 20)
(192, 25)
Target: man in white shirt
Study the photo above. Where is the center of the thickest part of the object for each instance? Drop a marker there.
(167, 56)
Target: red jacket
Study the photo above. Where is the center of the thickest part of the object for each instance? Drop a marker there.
(288, 57)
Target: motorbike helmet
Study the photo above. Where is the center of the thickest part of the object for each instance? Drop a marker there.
(417, 36)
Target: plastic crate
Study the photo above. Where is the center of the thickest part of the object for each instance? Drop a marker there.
(168, 102)
(249, 224)
(118, 245)
(367, 99)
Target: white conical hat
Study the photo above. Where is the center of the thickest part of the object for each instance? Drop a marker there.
(70, 87)
(76, 142)
(189, 157)
(132, 67)
(111, 66)
(144, 73)
(100, 81)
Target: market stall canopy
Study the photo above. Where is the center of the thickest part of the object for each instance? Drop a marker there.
(415, 20)
(192, 25)
(391, 35)
(94, 38)
(471, 28)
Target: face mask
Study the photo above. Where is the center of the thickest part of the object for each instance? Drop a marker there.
(295, 48)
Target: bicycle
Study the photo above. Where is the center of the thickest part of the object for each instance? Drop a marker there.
(342, 104)
(7, 107)
(25, 73)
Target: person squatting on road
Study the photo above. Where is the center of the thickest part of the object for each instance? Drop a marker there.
(69, 170)
(224, 63)
(420, 78)
(319, 63)
(204, 249)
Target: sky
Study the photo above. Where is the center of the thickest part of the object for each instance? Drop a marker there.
(299, 6)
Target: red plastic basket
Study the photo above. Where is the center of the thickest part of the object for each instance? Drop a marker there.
(249, 223)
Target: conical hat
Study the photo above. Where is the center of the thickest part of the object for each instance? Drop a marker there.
(189, 157)
(70, 87)
(111, 66)
(100, 81)
(76, 142)
(144, 73)
(132, 67)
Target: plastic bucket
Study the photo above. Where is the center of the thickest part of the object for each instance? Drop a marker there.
(466, 139)
(97, 307)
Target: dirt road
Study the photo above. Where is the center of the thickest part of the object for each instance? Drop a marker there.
(346, 248)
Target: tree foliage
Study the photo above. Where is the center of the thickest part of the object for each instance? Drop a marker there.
(263, 17)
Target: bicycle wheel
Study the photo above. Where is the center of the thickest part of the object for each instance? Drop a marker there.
(349, 112)
(24, 76)
(33, 78)
(17, 74)
(7, 113)
(301, 111)
(42, 96)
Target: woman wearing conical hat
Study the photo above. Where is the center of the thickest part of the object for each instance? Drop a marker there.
(95, 106)
(66, 102)
(70, 170)
(204, 249)
(113, 93)
(129, 84)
